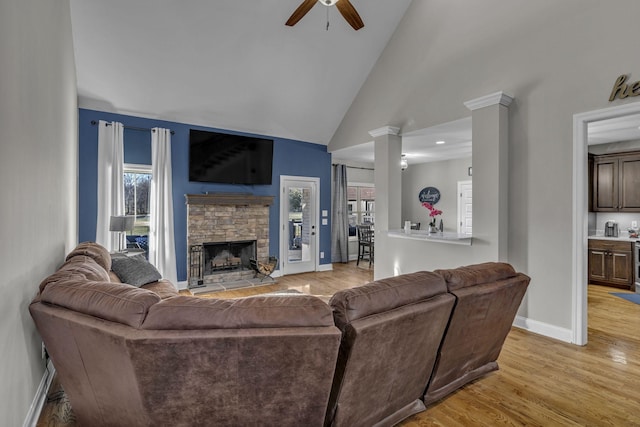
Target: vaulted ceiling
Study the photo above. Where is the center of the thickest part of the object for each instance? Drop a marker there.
(229, 64)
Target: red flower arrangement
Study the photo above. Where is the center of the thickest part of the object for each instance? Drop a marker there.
(433, 212)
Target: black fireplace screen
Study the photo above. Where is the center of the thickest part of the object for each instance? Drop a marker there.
(228, 256)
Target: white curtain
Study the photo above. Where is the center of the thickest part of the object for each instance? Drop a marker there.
(110, 181)
(162, 253)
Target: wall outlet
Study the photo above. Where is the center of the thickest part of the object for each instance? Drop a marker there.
(321, 255)
(634, 224)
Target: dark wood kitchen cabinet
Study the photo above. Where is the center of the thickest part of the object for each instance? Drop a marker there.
(611, 263)
(616, 182)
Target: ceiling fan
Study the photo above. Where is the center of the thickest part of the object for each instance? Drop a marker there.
(345, 8)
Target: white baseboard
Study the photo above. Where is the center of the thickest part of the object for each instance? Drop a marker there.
(182, 285)
(325, 267)
(545, 329)
(41, 396)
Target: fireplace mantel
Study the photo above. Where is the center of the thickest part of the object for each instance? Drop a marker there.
(237, 199)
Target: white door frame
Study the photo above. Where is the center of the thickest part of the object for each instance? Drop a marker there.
(580, 211)
(284, 219)
(460, 212)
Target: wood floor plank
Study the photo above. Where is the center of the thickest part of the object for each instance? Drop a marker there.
(541, 382)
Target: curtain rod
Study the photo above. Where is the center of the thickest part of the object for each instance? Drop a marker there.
(354, 167)
(93, 122)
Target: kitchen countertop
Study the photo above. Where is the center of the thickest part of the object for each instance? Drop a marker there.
(446, 237)
(622, 237)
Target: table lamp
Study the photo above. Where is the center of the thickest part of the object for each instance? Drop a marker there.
(121, 224)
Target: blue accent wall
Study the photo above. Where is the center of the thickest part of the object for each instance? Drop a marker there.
(295, 158)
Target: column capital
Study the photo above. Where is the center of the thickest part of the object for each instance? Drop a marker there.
(488, 100)
(385, 130)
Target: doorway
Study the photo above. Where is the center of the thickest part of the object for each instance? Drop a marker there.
(299, 219)
(580, 208)
(465, 207)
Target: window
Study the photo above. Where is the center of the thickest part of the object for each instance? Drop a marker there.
(361, 199)
(137, 192)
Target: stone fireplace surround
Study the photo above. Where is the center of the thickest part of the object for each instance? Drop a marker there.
(224, 218)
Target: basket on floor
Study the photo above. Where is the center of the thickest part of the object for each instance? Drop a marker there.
(264, 268)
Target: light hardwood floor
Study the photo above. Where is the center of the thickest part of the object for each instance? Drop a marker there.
(541, 381)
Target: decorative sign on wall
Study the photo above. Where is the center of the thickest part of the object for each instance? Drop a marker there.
(429, 195)
(623, 90)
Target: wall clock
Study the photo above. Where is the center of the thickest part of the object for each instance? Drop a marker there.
(429, 195)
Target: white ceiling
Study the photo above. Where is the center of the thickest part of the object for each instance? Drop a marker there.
(420, 146)
(229, 64)
(618, 129)
(234, 65)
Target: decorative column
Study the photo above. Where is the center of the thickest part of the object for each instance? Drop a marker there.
(388, 148)
(490, 159)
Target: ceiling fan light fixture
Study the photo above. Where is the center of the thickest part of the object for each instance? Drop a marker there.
(328, 2)
(403, 162)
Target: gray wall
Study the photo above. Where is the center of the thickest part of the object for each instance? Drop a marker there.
(38, 170)
(557, 59)
(442, 175)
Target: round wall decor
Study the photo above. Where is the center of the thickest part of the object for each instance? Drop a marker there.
(429, 195)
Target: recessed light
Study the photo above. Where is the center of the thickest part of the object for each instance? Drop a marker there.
(440, 142)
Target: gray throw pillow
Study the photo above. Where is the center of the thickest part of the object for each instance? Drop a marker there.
(134, 270)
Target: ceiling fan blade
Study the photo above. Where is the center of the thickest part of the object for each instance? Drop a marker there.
(300, 12)
(350, 14)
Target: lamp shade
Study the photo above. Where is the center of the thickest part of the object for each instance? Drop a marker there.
(121, 223)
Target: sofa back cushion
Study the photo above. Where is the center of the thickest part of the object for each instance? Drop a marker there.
(186, 312)
(109, 301)
(93, 250)
(383, 295)
(164, 288)
(477, 274)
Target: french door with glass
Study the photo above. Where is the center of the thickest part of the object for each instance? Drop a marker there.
(299, 227)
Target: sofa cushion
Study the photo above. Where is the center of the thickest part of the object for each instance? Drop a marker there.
(135, 270)
(115, 302)
(186, 312)
(384, 295)
(476, 274)
(164, 288)
(93, 250)
(113, 277)
(80, 266)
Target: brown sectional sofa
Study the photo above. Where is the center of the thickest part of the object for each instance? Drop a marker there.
(142, 356)
(127, 357)
(391, 332)
(487, 299)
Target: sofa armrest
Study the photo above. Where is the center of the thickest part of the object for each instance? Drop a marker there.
(110, 301)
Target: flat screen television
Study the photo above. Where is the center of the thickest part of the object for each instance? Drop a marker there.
(229, 159)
